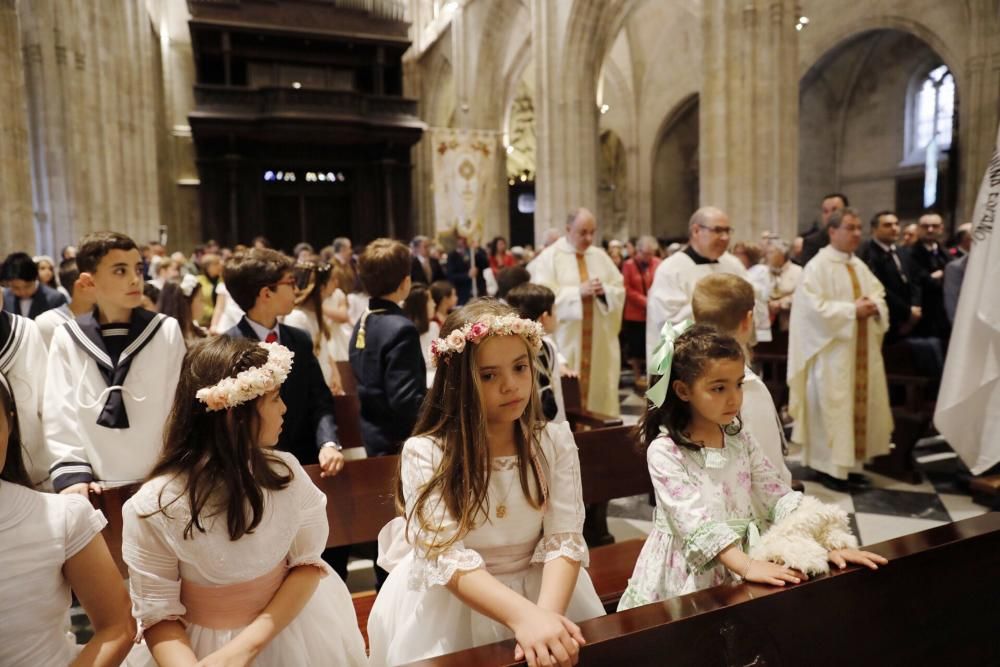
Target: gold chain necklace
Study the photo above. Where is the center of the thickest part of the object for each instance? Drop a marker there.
(502, 507)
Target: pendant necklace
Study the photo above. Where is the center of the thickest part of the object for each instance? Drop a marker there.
(502, 507)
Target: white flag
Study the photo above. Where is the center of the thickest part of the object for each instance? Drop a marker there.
(968, 406)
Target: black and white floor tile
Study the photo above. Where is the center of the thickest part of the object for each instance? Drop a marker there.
(886, 510)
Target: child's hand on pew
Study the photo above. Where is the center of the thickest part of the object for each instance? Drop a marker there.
(83, 489)
(841, 557)
(546, 638)
(758, 571)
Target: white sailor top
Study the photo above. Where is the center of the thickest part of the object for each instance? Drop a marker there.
(104, 417)
(22, 361)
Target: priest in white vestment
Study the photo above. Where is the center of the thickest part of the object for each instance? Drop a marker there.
(669, 297)
(837, 387)
(590, 297)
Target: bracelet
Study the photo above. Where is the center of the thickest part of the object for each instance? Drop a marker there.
(747, 571)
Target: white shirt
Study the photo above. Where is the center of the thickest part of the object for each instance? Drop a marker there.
(263, 332)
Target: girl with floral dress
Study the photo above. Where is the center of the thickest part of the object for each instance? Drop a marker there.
(716, 492)
(489, 544)
(223, 542)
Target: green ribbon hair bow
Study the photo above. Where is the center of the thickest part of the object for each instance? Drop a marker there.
(663, 358)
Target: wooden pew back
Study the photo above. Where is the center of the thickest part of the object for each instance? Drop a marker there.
(576, 414)
(934, 603)
(611, 466)
(359, 500)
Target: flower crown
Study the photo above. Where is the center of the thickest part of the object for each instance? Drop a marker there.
(251, 383)
(475, 332)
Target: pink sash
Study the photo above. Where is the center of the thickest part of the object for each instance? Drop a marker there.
(233, 606)
(508, 558)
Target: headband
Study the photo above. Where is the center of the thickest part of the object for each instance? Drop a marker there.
(663, 358)
(474, 332)
(251, 383)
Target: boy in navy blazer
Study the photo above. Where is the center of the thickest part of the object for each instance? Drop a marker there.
(385, 351)
(27, 296)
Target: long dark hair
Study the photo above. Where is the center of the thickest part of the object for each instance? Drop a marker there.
(215, 454)
(13, 466)
(693, 350)
(415, 307)
(172, 302)
(453, 414)
(310, 279)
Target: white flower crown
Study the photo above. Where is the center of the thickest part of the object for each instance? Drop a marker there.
(251, 383)
(475, 332)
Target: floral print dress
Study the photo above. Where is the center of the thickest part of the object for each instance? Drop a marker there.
(706, 499)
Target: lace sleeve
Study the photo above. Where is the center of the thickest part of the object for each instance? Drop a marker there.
(420, 460)
(154, 574)
(564, 510)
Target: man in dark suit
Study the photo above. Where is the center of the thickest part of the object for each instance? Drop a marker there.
(260, 282)
(892, 269)
(929, 259)
(817, 237)
(424, 268)
(26, 296)
(465, 266)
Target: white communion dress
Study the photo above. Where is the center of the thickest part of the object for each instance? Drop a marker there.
(415, 616)
(39, 532)
(217, 586)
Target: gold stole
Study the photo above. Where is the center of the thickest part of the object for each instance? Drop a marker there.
(860, 376)
(586, 331)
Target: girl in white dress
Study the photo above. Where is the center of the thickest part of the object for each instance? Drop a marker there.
(489, 545)
(223, 542)
(716, 491)
(49, 544)
(314, 283)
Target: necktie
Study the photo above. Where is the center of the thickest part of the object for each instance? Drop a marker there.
(272, 337)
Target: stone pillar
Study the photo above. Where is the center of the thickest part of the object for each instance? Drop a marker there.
(549, 193)
(749, 114)
(16, 227)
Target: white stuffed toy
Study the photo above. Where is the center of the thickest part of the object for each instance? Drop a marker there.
(802, 539)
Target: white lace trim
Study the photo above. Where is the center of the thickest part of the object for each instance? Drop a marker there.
(570, 545)
(438, 571)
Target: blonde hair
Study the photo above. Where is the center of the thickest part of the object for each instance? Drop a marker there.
(722, 300)
(453, 415)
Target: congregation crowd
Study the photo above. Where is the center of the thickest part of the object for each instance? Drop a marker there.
(211, 379)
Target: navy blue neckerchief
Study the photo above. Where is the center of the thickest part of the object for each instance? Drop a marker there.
(86, 333)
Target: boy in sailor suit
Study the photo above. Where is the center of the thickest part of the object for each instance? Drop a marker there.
(111, 375)
(22, 360)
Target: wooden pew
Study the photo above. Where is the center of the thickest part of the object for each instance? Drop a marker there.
(611, 466)
(347, 379)
(359, 501)
(934, 603)
(579, 417)
(110, 502)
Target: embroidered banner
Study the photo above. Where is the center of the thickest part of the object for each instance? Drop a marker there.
(464, 168)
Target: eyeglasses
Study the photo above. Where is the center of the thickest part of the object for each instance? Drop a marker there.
(718, 231)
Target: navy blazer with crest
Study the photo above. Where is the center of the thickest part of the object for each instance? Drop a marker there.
(309, 421)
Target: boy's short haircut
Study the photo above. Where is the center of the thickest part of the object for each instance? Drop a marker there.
(722, 300)
(19, 266)
(509, 278)
(531, 300)
(441, 290)
(245, 273)
(383, 266)
(68, 274)
(93, 247)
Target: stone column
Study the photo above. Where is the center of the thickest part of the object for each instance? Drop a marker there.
(549, 193)
(749, 114)
(16, 226)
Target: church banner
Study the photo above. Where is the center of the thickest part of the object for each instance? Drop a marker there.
(464, 168)
(968, 406)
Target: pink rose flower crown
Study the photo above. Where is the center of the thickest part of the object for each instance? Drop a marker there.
(476, 332)
(251, 383)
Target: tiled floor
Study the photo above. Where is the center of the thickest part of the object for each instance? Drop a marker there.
(886, 510)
